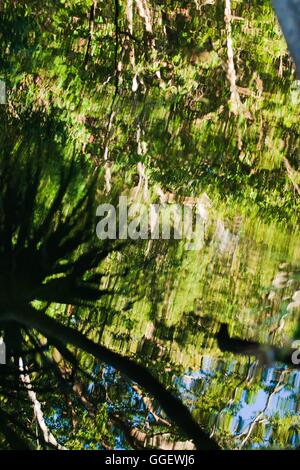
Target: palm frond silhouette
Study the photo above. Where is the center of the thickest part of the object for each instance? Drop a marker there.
(49, 253)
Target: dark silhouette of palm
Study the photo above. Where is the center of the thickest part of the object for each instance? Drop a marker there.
(49, 253)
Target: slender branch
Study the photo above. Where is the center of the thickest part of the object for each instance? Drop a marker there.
(149, 405)
(38, 413)
(116, 94)
(231, 72)
(117, 40)
(91, 30)
(261, 414)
